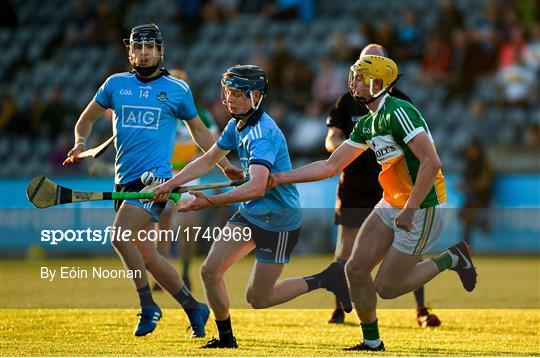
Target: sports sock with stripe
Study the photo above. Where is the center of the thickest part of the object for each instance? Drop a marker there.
(370, 332)
(185, 299)
(225, 329)
(145, 296)
(445, 261)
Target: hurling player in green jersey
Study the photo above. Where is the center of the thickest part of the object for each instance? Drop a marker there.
(407, 220)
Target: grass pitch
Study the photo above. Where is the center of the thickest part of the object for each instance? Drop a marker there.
(96, 317)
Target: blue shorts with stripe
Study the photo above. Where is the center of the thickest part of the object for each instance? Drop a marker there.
(271, 247)
(155, 209)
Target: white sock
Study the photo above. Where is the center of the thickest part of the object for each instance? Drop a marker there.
(373, 343)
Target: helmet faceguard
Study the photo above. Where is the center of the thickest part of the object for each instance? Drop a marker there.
(371, 68)
(145, 49)
(244, 79)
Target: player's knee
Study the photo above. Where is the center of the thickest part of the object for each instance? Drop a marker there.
(257, 301)
(355, 271)
(384, 291)
(150, 258)
(120, 246)
(208, 272)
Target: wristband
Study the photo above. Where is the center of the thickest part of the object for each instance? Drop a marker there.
(80, 140)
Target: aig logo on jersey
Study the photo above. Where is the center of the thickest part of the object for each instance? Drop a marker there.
(140, 117)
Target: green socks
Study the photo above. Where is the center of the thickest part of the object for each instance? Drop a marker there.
(370, 332)
(445, 261)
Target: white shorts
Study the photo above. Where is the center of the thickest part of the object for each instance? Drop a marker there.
(427, 226)
(187, 197)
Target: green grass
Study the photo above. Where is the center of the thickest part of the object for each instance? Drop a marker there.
(278, 332)
(500, 318)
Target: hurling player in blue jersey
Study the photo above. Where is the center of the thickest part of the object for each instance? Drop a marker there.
(147, 103)
(268, 221)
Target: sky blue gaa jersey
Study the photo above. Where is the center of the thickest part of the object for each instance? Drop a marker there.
(145, 119)
(261, 142)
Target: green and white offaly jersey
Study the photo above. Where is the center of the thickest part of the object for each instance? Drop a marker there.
(387, 132)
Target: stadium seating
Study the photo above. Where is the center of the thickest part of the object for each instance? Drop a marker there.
(39, 42)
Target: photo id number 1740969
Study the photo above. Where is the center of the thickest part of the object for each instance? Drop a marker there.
(237, 233)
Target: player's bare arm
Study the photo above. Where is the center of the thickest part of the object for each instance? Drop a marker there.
(204, 140)
(83, 128)
(319, 170)
(430, 164)
(253, 189)
(193, 170)
(334, 138)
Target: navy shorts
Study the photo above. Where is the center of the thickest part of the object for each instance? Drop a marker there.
(271, 247)
(155, 209)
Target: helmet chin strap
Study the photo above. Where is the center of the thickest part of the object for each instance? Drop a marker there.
(375, 96)
(146, 71)
(253, 105)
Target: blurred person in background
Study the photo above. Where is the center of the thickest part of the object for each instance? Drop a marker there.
(219, 10)
(463, 66)
(477, 188)
(358, 39)
(309, 125)
(479, 121)
(385, 35)
(533, 136)
(259, 52)
(81, 25)
(280, 58)
(359, 189)
(53, 116)
(303, 10)
(339, 46)
(449, 19)
(328, 84)
(296, 82)
(532, 49)
(435, 62)
(188, 13)
(515, 77)
(8, 113)
(410, 37)
(147, 103)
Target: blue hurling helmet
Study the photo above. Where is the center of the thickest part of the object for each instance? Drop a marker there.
(246, 78)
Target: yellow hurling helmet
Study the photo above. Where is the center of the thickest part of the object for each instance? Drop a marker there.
(374, 67)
